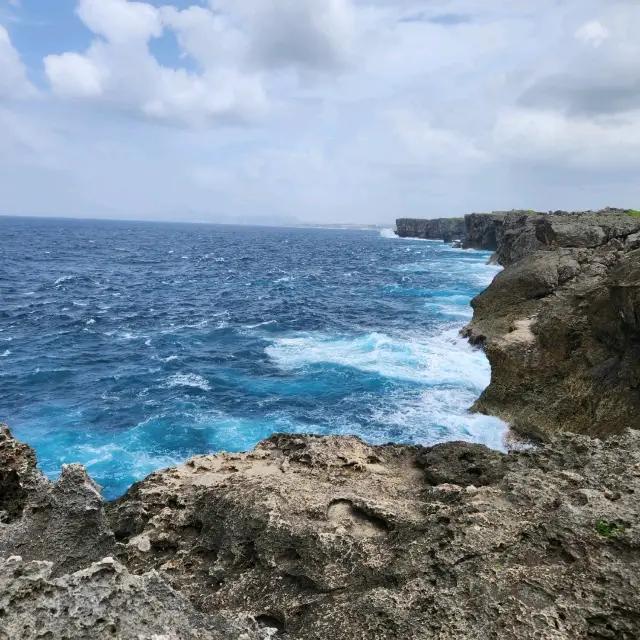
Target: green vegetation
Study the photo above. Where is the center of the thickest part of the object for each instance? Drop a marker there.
(608, 529)
(530, 212)
(634, 213)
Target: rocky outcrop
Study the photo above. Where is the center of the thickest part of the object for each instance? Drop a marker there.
(312, 537)
(522, 233)
(447, 229)
(483, 230)
(560, 325)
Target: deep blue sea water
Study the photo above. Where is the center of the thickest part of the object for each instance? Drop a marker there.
(131, 346)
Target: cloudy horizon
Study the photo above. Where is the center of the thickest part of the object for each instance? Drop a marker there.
(354, 111)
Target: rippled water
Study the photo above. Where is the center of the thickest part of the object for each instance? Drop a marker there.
(132, 346)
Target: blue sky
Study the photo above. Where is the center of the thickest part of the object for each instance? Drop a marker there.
(317, 110)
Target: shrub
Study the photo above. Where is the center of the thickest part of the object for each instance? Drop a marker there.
(608, 529)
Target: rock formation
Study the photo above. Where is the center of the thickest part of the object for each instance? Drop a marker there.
(447, 229)
(483, 230)
(561, 324)
(311, 537)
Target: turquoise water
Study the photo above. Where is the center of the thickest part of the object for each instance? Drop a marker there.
(132, 346)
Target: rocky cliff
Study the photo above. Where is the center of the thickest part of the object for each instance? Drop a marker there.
(561, 324)
(483, 230)
(447, 229)
(324, 537)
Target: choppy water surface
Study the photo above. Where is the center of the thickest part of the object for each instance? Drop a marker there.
(132, 346)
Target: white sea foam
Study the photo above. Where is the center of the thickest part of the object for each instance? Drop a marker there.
(5, 354)
(442, 359)
(453, 372)
(79, 304)
(90, 321)
(62, 279)
(197, 325)
(188, 380)
(440, 415)
(260, 324)
(388, 233)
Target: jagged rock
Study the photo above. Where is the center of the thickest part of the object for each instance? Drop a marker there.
(447, 229)
(64, 520)
(102, 601)
(315, 537)
(19, 477)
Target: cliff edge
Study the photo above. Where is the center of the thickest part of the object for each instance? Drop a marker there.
(561, 324)
(312, 537)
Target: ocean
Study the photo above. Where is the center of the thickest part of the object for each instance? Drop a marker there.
(130, 346)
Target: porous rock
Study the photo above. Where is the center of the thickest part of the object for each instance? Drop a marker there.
(102, 601)
(310, 537)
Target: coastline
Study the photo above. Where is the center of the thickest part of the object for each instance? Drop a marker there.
(306, 537)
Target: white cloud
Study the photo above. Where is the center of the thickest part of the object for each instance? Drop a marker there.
(122, 72)
(363, 109)
(121, 21)
(13, 75)
(549, 136)
(73, 75)
(593, 32)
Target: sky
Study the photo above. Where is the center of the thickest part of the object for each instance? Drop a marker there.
(354, 111)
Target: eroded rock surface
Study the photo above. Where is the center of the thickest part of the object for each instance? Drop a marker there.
(560, 325)
(327, 537)
(102, 601)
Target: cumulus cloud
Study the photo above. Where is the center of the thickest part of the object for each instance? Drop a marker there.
(13, 74)
(119, 68)
(593, 32)
(351, 109)
(121, 21)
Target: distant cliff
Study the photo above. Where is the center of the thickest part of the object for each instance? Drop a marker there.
(447, 229)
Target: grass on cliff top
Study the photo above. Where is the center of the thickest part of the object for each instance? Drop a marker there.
(608, 529)
(634, 213)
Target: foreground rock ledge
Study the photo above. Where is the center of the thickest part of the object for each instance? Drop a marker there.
(325, 537)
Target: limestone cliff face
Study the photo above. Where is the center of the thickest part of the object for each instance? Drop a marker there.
(447, 229)
(560, 325)
(483, 230)
(308, 538)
